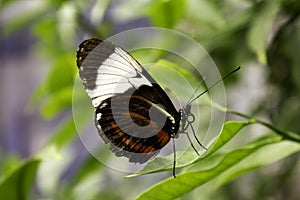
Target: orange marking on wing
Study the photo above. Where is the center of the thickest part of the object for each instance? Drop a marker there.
(138, 116)
(163, 138)
(150, 149)
(136, 147)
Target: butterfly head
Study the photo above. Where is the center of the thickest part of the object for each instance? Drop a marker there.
(187, 117)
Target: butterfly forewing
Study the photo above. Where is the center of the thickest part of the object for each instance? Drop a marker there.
(106, 70)
(133, 113)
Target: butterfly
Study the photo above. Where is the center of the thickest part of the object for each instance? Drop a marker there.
(132, 112)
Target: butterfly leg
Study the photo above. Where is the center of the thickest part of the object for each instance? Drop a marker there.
(189, 138)
(197, 138)
(174, 162)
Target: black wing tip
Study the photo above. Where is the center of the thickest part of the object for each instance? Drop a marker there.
(85, 48)
(89, 41)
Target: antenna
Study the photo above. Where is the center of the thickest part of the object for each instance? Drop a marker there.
(213, 85)
(197, 88)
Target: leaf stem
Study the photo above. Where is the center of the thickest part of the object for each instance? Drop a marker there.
(285, 134)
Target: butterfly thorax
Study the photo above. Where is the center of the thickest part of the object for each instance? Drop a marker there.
(186, 118)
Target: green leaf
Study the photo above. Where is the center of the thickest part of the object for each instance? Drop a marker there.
(18, 184)
(49, 41)
(57, 102)
(186, 182)
(166, 13)
(260, 29)
(264, 156)
(64, 134)
(9, 164)
(61, 74)
(57, 87)
(58, 3)
(3, 3)
(82, 112)
(206, 11)
(229, 130)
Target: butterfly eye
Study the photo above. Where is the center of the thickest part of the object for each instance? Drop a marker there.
(190, 118)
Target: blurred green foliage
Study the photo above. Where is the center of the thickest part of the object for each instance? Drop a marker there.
(265, 33)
